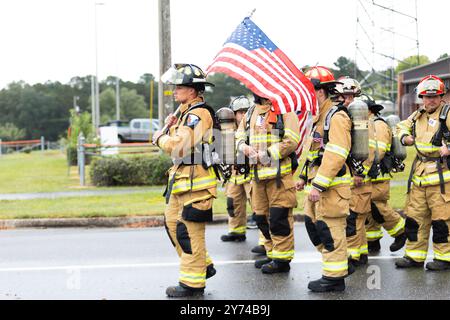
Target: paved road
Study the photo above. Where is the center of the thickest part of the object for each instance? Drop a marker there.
(140, 264)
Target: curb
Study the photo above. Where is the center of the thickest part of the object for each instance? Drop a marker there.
(121, 222)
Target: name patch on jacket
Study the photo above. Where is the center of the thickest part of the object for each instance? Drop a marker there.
(191, 121)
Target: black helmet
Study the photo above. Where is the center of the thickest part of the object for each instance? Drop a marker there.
(184, 74)
(373, 106)
(259, 100)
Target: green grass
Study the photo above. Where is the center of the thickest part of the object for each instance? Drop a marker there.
(147, 203)
(47, 172)
(42, 172)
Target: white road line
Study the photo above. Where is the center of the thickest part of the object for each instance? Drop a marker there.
(304, 260)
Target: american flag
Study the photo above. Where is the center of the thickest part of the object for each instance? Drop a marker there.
(252, 58)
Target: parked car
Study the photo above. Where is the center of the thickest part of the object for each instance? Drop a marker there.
(136, 130)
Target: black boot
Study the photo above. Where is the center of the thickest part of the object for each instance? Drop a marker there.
(326, 284)
(398, 243)
(407, 262)
(210, 271)
(260, 263)
(259, 250)
(276, 266)
(438, 265)
(354, 263)
(363, 259)
(351, 268)
(374, 246)
(233, 237)
(182, 290)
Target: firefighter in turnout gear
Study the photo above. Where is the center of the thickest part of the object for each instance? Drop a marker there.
(428, 201)
(357, 246)
(326, 179)
(238, 188)
(191, 182)
(382, 214)
(269, 142)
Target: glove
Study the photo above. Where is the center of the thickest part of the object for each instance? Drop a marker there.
(156, 136)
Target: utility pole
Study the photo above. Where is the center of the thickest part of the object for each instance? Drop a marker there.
(97, 89)
(93, 111)
(117, 99)
(165, 101)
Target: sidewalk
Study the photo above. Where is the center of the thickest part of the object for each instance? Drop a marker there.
(68, 194)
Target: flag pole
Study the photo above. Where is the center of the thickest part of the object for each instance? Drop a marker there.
(251, 13)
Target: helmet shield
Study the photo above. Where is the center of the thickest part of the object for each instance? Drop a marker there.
(241, 103)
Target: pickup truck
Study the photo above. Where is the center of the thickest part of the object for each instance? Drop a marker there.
(137, 130)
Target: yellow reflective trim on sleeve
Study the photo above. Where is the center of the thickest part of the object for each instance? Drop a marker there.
(312, 155)
(274, 152)
(322, 181)
(382, 146)
(293, 135)
(334, 148)
(346, 179)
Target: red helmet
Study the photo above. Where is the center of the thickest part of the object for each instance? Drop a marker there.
(321, 77)
(431, 86)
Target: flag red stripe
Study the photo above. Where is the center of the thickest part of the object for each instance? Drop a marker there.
(261, 70)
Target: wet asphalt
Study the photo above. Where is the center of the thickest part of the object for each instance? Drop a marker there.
(140, 263)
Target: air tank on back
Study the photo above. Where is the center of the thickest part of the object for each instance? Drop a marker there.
(226, 148)
(359, 112)
(397, 149)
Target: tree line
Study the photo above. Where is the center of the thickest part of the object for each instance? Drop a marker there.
(44, 109)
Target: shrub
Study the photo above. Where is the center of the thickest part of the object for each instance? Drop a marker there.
(133, 171)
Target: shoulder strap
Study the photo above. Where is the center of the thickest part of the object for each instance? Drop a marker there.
(444, 113)
(443, 131)
(248, 117)
(211, 112)
(330, 114)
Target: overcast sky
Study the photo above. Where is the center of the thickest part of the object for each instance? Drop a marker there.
(54, 39)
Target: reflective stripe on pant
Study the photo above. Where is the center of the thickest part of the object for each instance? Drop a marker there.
(359, 205)
(427, 208)
(326, 228)
(189, 237)
(383, 214)
(274, 212)
(237, 196)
